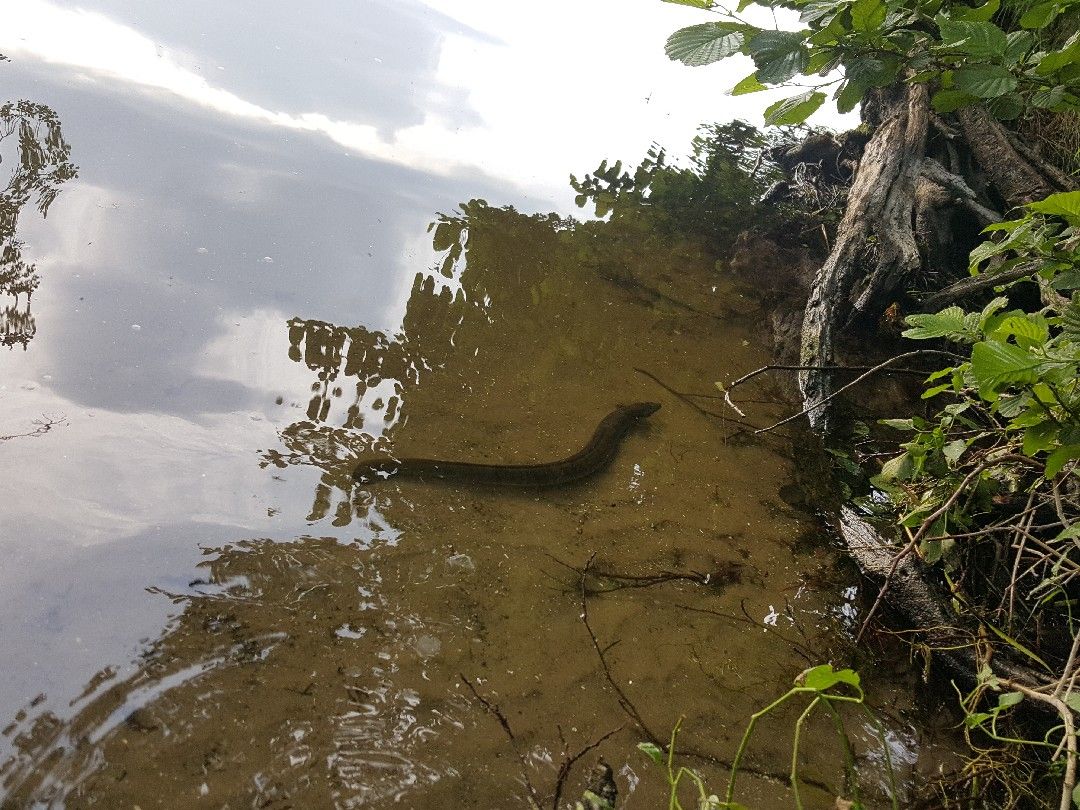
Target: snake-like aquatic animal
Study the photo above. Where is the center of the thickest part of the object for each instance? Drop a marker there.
(593, 457)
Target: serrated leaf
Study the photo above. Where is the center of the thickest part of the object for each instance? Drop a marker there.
(748, 85)
(867, 15)
(794, 110)
(984, 81)
(1039, 15)
(1030, 330)
(949, 322)
(945, 101)
(983, 12)
(980, 39)
(703, 44)
(1059, 458)
(817, 10)
(1048, 97)
(998, 365)
(1070, 317)
(1020, 43)
(1065, 204)
(778, 55)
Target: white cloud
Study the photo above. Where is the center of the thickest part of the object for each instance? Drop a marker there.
(558, 86)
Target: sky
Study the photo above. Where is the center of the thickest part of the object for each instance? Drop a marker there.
(520, 91)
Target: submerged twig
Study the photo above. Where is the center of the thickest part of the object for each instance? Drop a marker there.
(535, 800)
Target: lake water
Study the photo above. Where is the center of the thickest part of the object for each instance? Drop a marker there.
(299, 237)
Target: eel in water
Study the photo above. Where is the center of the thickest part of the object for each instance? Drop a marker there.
(592, 458)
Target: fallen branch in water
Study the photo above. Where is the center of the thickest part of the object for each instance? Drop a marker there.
(871, 372)
(686, 398)
(535, 800)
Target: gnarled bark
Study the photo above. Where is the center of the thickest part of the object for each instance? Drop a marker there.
(875, 247)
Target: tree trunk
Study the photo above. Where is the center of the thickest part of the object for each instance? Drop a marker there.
(898, 220)
(875, 245)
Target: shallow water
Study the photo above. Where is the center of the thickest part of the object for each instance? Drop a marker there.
(200, 606)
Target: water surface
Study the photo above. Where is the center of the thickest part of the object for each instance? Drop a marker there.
(233, 307)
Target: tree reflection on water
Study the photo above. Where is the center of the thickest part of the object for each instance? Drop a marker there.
(30, 140)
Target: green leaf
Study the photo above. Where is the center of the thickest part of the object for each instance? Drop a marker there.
(1020, 44)
(873, 72)
(778, 55)
(983, 12)
(1069, 534)
(980, 39)
(652, 751)
(704, 44)
(1009, 699)
(1070, 318)
(815, 11)
(1048, 97)
(947, 323)
(748, 85)
(945, 101)
(1008, 107)
(1029, 330)
(1039, 437)
(975, 719)
(1059, 458)
(898, 424)
(984, 81)
(953, 450)
(1059, 59)
(824, 677)
(1066, 204)
(794, 110)
(848, 96)
(1016, 645)
(867, 15)
(1040, 15)
(998, 365)
(899, 468)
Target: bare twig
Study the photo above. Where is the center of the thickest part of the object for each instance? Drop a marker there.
(1068, 782)
(873, 370)
(913, 543)
(781, 367)
(624, 701)
(535, 800)
(568, 763)
(685, 398)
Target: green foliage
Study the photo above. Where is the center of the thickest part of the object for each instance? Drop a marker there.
(828, 689)
(715, 195)
(962, 51)
(1017, 391)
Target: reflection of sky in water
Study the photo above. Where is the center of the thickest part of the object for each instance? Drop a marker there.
(240, 166)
